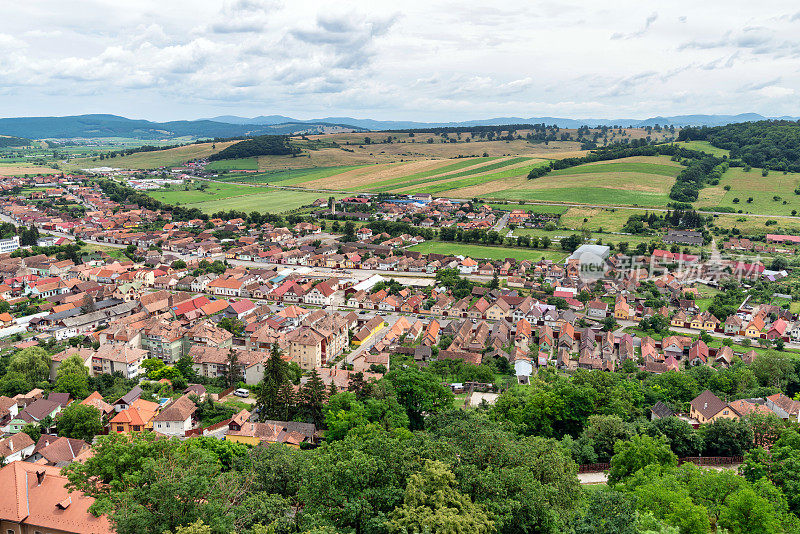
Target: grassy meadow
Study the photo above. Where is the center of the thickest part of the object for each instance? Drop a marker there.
(488, 252)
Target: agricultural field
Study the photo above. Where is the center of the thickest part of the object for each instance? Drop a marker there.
(171, 157)
(291, 177)
(21, 169)
(640, 181)
(771, 195)
(249, 164)
(259, 199)
(488, 252)
(213, 191)
(705, 146)
(535, 208)
(749, 224)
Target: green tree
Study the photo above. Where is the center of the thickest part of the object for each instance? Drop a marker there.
(149, 485)
(312, 398)
(433, 504)
(33, 363)
(419, 392)
(745, 512)
(268, 392)
(151, 365)
(233, 372)
(72, 377)
(608, 512)
(79, 421)
(639, 452)
(726, 437)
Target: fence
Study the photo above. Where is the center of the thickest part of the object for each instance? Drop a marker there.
(697, 460)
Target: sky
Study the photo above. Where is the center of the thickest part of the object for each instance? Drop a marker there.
(440, 60)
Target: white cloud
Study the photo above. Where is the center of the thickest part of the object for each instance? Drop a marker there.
(775, 91)
(413, 60)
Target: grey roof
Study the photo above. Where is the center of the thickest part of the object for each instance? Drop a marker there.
(661, 410)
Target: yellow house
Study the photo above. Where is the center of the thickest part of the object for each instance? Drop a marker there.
(710, 323)
(679, 319)
(697, 323)
(372, 327)
(707, 407)
(755, 327)
(622, 310)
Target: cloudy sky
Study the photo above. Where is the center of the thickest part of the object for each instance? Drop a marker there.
(411, 60)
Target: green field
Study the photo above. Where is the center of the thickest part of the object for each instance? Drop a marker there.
(621, 166)
(289, 177)
(705, 146)
(768, 192)
(215, 191)
(535, 208)
(233, 164)
(263, 200)
(488, 252)
(635, 181)
(587, 195)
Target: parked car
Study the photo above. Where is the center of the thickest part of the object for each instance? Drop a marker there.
(242, 392)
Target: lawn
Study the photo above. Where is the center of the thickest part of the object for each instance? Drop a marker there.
(488, 252)
(262, 200)
(114, 252)
(609, 220)
(234, 164)
(771, 195)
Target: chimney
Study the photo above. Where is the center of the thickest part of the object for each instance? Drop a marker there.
(40, 477)
(11, 444)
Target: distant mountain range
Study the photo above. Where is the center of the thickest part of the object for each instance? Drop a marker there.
(677, 121)
(90, 126)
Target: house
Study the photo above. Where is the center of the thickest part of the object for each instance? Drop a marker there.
(784, 407)
(289, 433)
(596, 309)
(17, 447)
(137, 418)
(707, 407)
(698, 353)
(176, 418)
(660, 411)
(36, 499)
(55, 450)
(34, 413)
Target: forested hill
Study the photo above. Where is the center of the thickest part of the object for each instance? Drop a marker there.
(91, 126)
(767, 144)
(10, 141)
(263, 145)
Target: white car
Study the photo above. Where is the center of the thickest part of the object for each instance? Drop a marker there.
(242, 392)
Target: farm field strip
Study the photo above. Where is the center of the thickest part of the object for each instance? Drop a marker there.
(386, 185)
(587, 195)
(468, 172)
(473, 180)
(289, 177)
